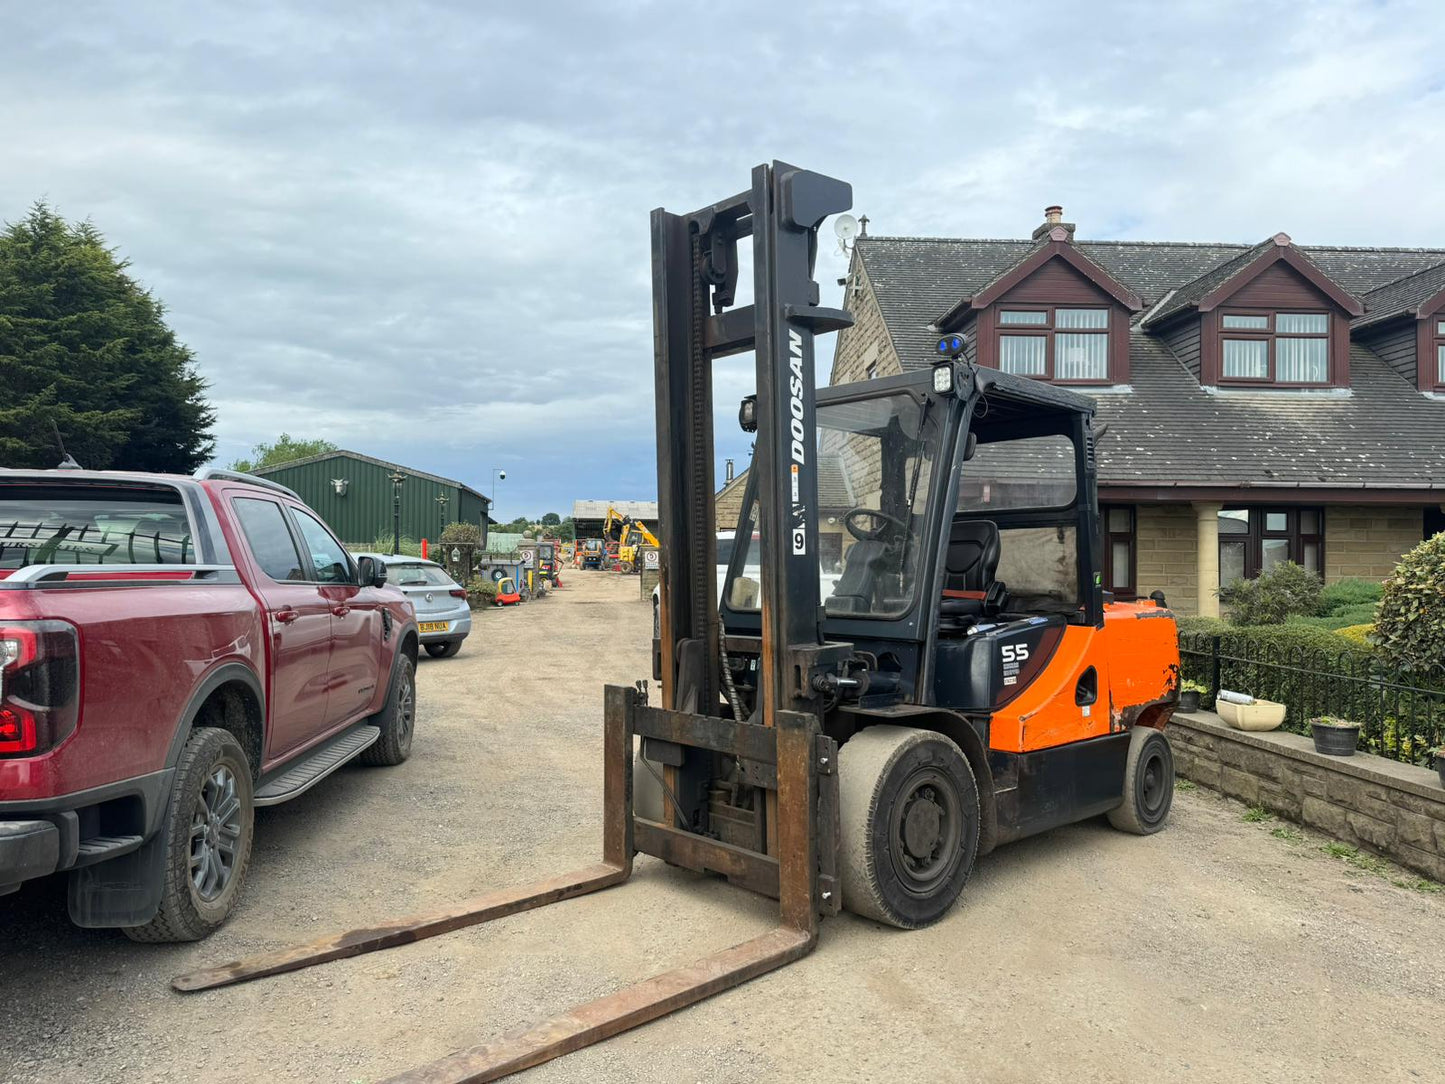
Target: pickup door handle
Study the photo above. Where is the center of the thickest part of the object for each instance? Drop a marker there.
(340, 611)
(286, 616)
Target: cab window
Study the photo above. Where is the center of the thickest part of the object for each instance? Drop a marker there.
(328, 560)
(264, 525)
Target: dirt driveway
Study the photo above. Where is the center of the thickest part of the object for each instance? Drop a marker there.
(1217, 950)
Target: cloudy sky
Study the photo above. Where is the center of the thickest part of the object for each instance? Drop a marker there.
(421, 229)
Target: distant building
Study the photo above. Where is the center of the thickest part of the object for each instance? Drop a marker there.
(354, 494)
(589, 516)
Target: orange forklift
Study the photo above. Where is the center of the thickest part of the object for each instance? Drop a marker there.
(857, 737)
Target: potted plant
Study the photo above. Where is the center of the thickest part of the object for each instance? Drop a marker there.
(1335, 737)
(1189, 693)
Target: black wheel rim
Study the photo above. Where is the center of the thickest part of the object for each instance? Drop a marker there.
(405, 710)
(1155, 784)
(215, 834)
(926, 831)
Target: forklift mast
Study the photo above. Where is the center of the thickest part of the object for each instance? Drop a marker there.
(695, 270)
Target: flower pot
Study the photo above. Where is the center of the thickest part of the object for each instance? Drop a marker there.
(1335, 741)
(1261, 715)
(1188, 701)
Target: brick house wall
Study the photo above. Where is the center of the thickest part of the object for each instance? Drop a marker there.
(1166, 554)
(1367, 541)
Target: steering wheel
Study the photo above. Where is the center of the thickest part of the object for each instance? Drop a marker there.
(882, 521)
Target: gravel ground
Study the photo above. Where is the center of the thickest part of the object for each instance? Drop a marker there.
(1217, 950)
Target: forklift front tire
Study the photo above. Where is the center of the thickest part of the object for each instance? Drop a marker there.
(1148, 784)
(909, 821)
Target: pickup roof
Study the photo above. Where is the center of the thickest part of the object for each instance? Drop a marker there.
(175, 651)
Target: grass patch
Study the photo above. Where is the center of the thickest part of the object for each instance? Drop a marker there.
(1256, 813)
(1419, 884)
(1287, 833)
(1184, 784)
(1369, 863)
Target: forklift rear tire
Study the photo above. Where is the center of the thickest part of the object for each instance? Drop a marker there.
(909, 824)
(1148, 784)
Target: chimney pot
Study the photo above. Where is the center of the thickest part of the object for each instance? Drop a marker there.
(1053, 214)
(728, 471)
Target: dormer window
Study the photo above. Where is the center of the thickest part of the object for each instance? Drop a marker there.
(1275, 347)
(1440, 355)
(1055, 343)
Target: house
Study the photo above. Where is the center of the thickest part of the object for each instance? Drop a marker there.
(1257, 403)
(357, 496)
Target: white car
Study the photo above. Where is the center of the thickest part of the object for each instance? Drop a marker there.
(443, 618)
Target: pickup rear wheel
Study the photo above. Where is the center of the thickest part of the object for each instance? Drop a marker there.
(909, 824)
(396, 720)
(209, 825)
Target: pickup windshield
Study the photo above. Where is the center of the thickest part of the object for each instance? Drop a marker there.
(92, 525)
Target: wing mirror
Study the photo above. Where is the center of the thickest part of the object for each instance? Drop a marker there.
(373, 572)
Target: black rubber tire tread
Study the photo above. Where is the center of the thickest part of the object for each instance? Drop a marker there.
(392, 747)
(1130, 816)
(871, 765)
(444, 649)
(182, 917)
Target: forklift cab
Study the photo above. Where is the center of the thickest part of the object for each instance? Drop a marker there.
(963, 502)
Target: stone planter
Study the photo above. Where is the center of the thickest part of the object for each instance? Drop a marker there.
(1440, 765)
(1188, 700)
(1335, 738)
(1261, 715)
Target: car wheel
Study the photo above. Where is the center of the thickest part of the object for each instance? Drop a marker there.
(209, 824)
(444, 650)
(397, 719)
(909, 824)
(1148, 784)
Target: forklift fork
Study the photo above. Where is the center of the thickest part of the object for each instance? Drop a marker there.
(802, 877)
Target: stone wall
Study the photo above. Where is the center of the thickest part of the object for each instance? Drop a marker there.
(1397, 810)
(1165, 552)
(867, 343)
(1368, 540)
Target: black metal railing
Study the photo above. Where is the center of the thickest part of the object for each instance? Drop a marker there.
(1397, 720)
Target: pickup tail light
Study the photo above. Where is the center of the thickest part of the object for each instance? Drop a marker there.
(39, 686)
(458, 592)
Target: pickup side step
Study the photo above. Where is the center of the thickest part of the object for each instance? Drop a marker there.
(319, 763)
(97, 848)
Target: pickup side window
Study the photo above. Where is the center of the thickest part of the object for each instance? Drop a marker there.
(329, 563)
(264, 525)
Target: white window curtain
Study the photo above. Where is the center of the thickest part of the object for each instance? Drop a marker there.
(1021, 354)
(1081, 318)
(1081, 357)
(1440, 364)
(1246, 359)
(1301, 323)
(1301, 361)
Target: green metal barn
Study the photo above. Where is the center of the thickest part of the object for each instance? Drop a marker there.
(354, 494)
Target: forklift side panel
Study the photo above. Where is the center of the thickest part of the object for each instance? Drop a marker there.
(1058, 786)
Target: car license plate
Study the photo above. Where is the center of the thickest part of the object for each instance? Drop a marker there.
(434, 626)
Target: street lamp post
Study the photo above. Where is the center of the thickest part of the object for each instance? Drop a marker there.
(397, 479)
(442, 501)
(497, 473)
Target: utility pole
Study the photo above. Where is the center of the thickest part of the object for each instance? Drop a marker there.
(397, 479)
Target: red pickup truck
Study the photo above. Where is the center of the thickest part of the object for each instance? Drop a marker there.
(175, 651)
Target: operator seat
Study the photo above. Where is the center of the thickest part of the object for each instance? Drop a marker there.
(854, 591)
(970, 568)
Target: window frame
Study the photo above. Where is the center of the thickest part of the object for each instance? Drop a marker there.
(1259, 533)
(1270, 336)
(1047, 331)
(304, 550)
(1129, 537)
(250, 545)
(1437, 340)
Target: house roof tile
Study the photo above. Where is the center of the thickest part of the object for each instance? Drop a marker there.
(1401, 296)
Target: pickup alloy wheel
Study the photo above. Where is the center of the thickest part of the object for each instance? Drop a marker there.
(396, 720)
(208, 830)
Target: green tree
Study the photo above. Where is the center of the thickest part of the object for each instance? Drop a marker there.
(551, 519)
(1410, 626)
(283, 450)
(85, 352)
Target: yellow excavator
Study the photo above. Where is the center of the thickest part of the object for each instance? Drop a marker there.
(629, 534)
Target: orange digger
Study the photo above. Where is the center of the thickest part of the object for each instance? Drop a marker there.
(850, 737)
